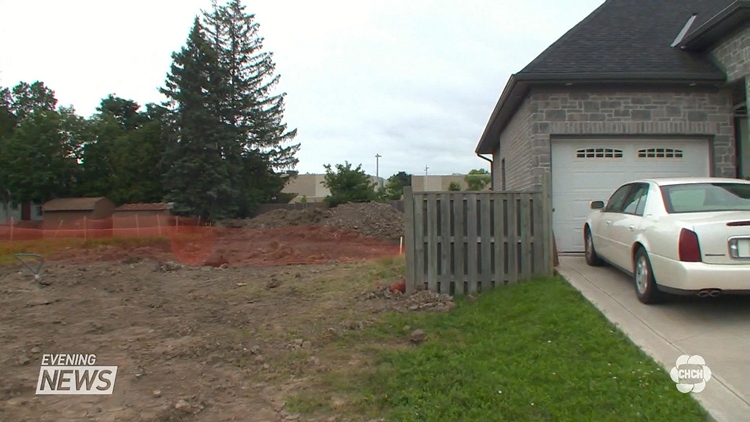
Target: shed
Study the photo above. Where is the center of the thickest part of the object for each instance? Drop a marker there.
(129, 216)
(67, 212)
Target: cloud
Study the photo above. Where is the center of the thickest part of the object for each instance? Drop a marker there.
(413, 81)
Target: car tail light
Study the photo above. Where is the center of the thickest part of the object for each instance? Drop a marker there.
(738, 223)
(690, 249)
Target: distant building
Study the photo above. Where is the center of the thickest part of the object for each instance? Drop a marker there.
(437, 183)
(69, 211)
(310, 186)
(26, 211)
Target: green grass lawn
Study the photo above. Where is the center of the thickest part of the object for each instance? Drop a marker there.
(537, 351)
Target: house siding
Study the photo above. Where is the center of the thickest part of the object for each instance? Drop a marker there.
(514, 148)
(733, 55)
(525, 143)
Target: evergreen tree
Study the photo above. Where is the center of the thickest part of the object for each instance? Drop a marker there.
(197, 177)
(257, 140)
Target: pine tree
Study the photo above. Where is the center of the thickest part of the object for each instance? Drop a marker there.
(197, 178)
(257, 142)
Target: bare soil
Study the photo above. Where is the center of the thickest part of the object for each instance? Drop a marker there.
(373, 219)
(230, 342)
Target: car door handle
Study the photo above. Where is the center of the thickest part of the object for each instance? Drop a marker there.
(609, 222)
(632, 228)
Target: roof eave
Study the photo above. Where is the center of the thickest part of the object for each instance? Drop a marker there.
(724, 22)
(519, 84)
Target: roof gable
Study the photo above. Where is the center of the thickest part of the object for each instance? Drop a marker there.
(631, 38)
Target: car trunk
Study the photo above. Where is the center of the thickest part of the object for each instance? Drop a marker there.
(724, 237)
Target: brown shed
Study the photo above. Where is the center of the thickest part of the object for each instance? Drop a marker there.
(70, 212)
(130, 216)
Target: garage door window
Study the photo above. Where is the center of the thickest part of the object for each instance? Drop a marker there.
(659, 153)
(599, 153)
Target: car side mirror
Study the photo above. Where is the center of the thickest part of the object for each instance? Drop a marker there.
(597, 205)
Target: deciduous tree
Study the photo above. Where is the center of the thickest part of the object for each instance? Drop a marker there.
(348, 184)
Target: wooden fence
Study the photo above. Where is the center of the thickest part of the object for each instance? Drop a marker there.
(466, 242)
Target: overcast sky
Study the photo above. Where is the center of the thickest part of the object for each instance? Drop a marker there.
(412, 80)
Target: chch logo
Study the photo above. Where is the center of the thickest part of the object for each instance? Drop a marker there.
(690, 373)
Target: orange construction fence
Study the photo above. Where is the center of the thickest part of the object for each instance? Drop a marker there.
(84, 228)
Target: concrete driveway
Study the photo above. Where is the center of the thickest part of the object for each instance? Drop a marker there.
(716, 329)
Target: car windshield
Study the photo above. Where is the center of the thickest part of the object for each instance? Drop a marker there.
(706, 197)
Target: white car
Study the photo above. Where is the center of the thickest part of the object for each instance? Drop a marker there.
(676, 236)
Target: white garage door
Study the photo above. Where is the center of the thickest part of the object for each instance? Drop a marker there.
(590, 170)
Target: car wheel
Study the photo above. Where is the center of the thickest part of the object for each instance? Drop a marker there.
(645, 283)
(591, 257)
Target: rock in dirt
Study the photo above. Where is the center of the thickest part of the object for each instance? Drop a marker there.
(417, 336)
(399, 286)
(338, 403)
(23, 360)
(273, 283)
(182, 405)
(168, 266)
(132, 260)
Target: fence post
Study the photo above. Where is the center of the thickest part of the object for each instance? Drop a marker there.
(137, 227)
(549, 243)
(409, 246)
(85, 229)
(11, 230)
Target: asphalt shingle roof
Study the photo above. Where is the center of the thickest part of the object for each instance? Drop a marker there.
(632, 37)
(72, 204)
(156, 206)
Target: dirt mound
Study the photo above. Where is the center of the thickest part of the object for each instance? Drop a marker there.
(282, 218)
(372, 219)
(423, 300)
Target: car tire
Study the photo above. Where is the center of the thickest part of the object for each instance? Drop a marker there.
(646, 288)
(592, 258)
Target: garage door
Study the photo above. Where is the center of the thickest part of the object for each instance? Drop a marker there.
(590, 170)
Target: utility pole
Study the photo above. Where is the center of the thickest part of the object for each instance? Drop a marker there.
(377, 169)
(425, 170)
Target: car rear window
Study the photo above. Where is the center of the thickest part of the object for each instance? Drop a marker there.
(706, 197)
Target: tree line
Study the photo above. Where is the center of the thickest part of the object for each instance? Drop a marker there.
(352, 184)
(216, 148)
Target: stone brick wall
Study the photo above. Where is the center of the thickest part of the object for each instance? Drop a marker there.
(733, 54)
(525, 143)
(515, 150)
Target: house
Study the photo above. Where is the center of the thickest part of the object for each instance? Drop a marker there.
(25, 211)
(637, 89)
(69, 213)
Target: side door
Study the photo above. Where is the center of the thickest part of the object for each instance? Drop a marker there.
(626, 228)
(611, 212)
